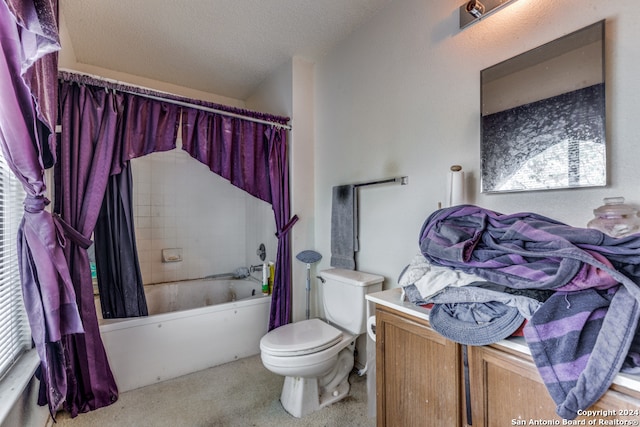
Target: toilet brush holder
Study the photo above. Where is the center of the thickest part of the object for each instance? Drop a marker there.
(308, 257)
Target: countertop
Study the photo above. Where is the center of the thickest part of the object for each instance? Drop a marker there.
(393, 298)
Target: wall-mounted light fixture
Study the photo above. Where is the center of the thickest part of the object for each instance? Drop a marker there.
(474, 10)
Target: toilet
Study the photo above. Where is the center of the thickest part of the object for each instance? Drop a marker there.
(316, 356)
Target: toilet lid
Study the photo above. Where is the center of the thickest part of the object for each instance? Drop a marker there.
(307, 336)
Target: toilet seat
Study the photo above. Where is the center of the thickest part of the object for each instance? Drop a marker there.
(300, 338)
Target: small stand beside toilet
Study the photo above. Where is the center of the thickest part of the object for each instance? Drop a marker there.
(316, 356)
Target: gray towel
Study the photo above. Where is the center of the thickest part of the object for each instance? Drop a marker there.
(344, 227)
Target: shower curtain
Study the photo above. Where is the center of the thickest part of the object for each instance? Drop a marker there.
(94, 144)
(121, 126)
(279, 171)
(119, 278)
(253, 157)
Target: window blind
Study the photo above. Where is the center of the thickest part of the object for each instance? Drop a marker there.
(15, 335)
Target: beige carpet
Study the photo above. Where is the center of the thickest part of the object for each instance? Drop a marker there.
(242, 393)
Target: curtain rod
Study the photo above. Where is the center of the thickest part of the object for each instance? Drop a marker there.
(176, 101)
(212, 110)
(403, 180)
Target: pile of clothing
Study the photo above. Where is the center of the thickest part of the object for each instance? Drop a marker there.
(573, 292)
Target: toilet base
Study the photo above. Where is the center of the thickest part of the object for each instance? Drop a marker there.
(302, 396)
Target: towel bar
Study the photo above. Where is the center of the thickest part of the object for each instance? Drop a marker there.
(403, 180)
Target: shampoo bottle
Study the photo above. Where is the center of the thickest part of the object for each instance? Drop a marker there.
(272, 275)
(265, 279)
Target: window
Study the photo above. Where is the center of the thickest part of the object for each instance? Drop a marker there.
(15, 335)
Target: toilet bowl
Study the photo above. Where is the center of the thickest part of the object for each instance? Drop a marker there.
(304, 349)
(316, 356)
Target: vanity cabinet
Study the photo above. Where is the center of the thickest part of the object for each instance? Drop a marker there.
(506, 390)
(417, 373)
(420, 382)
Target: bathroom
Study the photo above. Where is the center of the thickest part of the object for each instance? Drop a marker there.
(400, 96)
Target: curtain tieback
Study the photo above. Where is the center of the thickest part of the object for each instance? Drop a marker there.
(35, 204)
(282, 232)
(66, 229)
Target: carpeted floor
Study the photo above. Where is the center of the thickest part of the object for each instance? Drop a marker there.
(242, 393)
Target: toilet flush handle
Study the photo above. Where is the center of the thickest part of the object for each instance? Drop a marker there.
(320, 278)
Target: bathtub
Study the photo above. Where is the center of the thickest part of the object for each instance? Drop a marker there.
(192, 325)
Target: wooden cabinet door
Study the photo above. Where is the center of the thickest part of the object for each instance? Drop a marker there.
(506, 390)
(418, 375)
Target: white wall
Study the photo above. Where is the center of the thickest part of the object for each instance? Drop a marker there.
(401, 96)
(302, 154)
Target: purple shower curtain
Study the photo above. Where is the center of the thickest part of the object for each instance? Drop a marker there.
(114, 238)
(121, 126)
(253, 157)
(90, 125)
(279, 185)
(28, 72)
(101, 130)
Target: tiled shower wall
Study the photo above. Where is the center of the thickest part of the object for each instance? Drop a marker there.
(180, 203)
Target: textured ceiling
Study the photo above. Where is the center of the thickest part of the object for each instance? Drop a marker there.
(225, 47)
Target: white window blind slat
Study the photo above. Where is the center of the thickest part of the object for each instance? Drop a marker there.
(15, 335)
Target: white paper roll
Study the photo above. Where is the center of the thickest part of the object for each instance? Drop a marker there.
(455, 191)
(371, 327)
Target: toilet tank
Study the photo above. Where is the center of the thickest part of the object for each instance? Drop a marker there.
(343, 299)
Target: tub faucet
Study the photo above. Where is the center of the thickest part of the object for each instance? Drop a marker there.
(255, 268)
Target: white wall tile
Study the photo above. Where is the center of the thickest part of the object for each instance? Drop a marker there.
(181, 203)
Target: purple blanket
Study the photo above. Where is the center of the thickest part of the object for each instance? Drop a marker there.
(580, 338)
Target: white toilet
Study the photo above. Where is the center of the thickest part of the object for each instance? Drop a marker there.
(316, 356)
